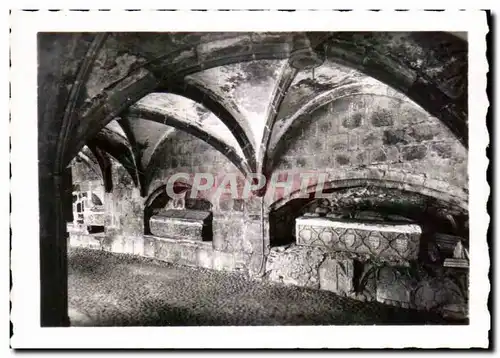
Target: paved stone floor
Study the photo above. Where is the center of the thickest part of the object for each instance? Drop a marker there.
(119, 290)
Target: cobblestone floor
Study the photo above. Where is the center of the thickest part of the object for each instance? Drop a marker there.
(119, 290)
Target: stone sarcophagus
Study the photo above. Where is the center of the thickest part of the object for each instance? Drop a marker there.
(389, 240)
(95, 216)
(182, 224)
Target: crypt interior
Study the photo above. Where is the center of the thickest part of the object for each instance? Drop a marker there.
(382, 114)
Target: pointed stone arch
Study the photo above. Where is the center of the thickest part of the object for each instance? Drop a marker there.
(119, 148)
(210, 101)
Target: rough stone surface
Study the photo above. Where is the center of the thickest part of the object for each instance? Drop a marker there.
(443, 149)
(394, 288)
(181, 113)
(182, 152)
(198, 254)
(392, 132)
(442, 294)
(415, 152)
(446, 243)
(382, 118)
(85, 240)
(430, 294)
(110, 66)
(120, 210)
(247, 91)
(295, 266)
(184, 253)
(337, 275)
(366, 281)
(309, 267)
(353, 122)
(395, 136)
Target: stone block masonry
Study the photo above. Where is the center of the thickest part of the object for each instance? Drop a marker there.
(175, 251)
(387, 132)
(337, 275)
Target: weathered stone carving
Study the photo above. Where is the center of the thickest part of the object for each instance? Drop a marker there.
(365, 281)
(95, 218)
(430, 294)
(454, 252)
(86, 210)
(295, 265)
(337, 275)
(393, 288)
(446, 293)
(182, 224)
(396, 240)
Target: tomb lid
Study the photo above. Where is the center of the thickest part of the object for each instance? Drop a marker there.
(403, 227)
(188, 215)
(458, 263)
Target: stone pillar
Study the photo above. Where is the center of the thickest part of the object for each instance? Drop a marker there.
(67, 182)
(59, 59)
(53, 251)
(257, 232)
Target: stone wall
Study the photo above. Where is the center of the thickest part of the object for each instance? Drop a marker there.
(182, 152)
(236, 222)
(181, 252)
(350, 136)
(123, 207)
(367, 131)
(416, 286)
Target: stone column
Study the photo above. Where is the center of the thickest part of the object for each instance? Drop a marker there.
(53, 251)
(60, 56)
(257, 232)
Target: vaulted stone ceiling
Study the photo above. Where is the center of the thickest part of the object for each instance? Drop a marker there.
(238, 92)
(246, 89)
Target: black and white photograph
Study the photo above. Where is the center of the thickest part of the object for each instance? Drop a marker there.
(268, 179)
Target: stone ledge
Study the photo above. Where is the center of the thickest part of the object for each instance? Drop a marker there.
(180, 241)
(183, 252)
(359, 225)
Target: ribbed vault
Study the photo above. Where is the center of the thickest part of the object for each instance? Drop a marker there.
(238, 92)
(111, 141)
(382, 109)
